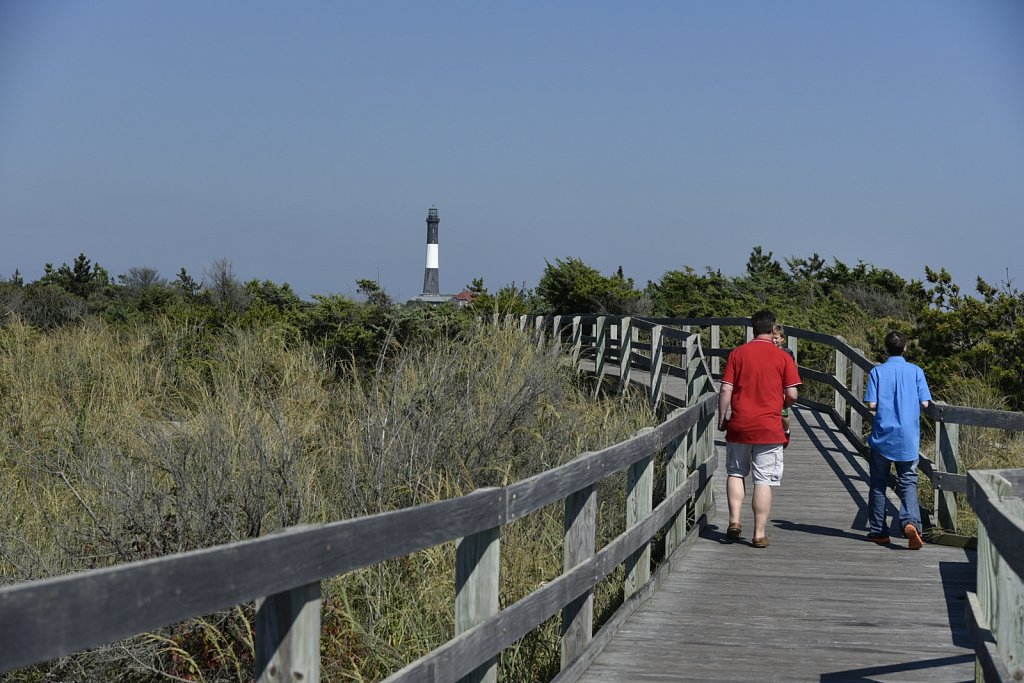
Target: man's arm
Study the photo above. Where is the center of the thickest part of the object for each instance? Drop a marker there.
(791, 395)
(724, 403)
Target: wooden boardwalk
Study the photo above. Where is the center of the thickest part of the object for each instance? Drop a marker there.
(820, 604)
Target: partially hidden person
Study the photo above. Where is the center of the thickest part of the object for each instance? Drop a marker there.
(757, 384)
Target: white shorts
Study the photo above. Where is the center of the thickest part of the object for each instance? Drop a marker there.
(764, 460)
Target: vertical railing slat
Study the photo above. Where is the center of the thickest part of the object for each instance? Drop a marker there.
(656, 365)
(716, 344)
(287, 636)
(600, 342)
(639, 503)
(579, 545)
(947, 459)
(477, 565)
(625, 352)
(840, 375)
(857, 389)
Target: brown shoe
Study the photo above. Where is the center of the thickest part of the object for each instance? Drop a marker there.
(760, 542)
(914, 540)
(733, 532)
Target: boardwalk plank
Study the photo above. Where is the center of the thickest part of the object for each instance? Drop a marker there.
(820, 604)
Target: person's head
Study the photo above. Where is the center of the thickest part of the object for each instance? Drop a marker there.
(762, 322)
(895, 343)
(778, 335)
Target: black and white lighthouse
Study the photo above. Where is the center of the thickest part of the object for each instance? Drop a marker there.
(430, 283)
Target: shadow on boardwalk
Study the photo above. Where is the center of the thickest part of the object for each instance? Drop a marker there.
(820, 604)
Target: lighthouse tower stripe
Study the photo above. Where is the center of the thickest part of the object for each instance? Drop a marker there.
(432, 256)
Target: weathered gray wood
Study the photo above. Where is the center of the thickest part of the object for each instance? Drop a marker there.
(947, 459)
(577, 342)
(791, 342)
(675, 475)
(857, 389)
(477, 566)
(104, 605)
(639, 501)
(625, 352)
(656, 379)
(601, 344)
(674, 561)
(840, 375)
(523, 320)
(995, 501)
(579, 544)
(287, 636)
(990, 666)
(530, 494)
(716, 344)
(734, 613)
(977, 417)
(750, 333)
(538, 327)
(463, 653)
(1000, 592)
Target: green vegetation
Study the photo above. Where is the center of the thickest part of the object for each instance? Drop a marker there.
(141, 416)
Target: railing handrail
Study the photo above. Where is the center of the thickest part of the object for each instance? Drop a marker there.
(103, 605)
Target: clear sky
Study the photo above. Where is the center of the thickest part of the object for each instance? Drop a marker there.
(306, 141)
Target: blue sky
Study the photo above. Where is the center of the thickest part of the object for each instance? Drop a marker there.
(306, 141)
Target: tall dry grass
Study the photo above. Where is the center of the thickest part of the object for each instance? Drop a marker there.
(124, 444)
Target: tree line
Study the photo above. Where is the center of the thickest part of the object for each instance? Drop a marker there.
(960, 338)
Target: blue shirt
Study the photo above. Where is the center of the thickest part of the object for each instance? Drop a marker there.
(898, 387)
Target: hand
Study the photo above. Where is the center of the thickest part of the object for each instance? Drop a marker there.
(723, 424)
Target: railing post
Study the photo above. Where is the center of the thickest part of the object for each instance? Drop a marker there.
(625, 352)
(522, 322)
(750, 333)
(600, 342)
(477, 563)
(579, 544)
(792, 342)
(1000, 589)
(675, 475)
(556, 332)
(691, 349)
(857, 389)
(287, 635)
(639, 503)
(716, 344)
(538, 327)
(840, 375)
(656, 362)
(947, 459)
(577, 341)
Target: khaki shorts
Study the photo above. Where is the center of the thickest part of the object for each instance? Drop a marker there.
(763, 460)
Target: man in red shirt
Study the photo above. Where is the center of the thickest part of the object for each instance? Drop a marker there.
(760, 380)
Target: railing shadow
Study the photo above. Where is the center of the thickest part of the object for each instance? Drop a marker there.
(869, 674)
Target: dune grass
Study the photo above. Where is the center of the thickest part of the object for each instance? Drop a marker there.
(120, 444)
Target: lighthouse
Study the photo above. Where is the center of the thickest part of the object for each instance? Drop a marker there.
(430, 283)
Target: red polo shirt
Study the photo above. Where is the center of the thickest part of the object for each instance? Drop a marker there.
(759, 373)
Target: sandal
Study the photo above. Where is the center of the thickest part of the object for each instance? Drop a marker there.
(760, 542)
(733, 532)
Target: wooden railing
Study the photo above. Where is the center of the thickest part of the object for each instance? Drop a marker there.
(995, 614)
(282, 573)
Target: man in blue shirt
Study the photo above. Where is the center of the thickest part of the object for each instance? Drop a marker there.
(897, 391)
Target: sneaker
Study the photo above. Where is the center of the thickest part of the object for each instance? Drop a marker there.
(760, 542)
(880, 539)
(914, 540)
(733, 532)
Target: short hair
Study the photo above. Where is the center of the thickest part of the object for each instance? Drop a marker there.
(762, 322)
(779, 330)
(895, 343)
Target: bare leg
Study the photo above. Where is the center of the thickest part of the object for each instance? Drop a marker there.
(736, 491)
(761, 502)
